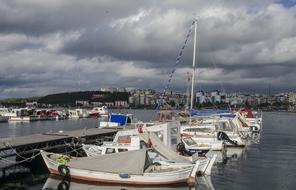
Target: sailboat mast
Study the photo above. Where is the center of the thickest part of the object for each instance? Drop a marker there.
(193, 65)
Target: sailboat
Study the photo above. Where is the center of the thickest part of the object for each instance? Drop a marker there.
(207, 130)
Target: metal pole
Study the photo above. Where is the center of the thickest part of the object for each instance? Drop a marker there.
(193, 65)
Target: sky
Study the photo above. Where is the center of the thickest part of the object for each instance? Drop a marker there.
(54, 46)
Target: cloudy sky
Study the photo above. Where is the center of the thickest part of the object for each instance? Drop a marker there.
(54, 46)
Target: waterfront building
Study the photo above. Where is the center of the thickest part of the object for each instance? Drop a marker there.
(119, 103)
(292, 98)
(142, 99)
(200, 97)
(82, 103)
(215, 97)
(33, 104)
(131, 100)
(109, 104)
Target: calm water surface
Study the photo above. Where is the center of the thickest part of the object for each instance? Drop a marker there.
(268, 165)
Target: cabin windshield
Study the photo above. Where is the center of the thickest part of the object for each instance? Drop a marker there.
(124, 139)
(224, 126)
(199, 130)
(174, 135)
(189, 141)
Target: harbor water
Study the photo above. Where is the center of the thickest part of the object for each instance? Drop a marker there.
(271, 164)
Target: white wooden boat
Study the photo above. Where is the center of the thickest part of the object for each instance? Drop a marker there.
(132, 167)
(55, 182)
(161, 153)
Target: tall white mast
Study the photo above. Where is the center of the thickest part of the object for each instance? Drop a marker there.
(193, 65)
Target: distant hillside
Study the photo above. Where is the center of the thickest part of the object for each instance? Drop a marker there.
(19, 102)
(69, 98)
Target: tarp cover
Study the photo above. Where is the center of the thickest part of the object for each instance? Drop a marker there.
(207, 112)
(119, 118)
(162, 149)
(247, 112)
(131, 162)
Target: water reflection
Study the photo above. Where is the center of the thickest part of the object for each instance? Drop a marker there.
(204, 183)
(236, 153)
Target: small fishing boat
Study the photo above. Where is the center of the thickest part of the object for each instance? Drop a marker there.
(20, 115)
(132, 167)
(56, 182)
(159, 151)
(99, 112)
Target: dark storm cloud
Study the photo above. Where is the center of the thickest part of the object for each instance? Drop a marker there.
(52, 46)
(42, 17)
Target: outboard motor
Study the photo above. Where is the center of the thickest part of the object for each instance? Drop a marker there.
(223, 136)
(254, 129)
(182, 150)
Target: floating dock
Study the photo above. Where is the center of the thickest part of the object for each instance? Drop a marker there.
(28, 145)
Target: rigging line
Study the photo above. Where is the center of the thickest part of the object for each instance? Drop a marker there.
(178, 59)
(220, 82)
(220, 3)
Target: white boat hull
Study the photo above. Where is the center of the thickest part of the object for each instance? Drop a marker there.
(162, 178)
(55, 182)
(22, 119)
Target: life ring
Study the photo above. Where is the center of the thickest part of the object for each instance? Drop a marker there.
(64, 170)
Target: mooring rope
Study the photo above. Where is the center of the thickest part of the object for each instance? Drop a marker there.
(34, 154)
(178, 59)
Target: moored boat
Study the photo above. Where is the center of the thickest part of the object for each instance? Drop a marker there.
(20, 115)
(56, 182)
(99, 112)
(132, 167)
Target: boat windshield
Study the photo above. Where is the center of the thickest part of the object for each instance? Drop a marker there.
(199, 130)
(224, 126)
(189, 141)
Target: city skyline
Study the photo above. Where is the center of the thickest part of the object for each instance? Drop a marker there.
(49, 47)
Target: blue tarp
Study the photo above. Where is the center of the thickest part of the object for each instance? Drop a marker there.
(119, 118)
(209, 112)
